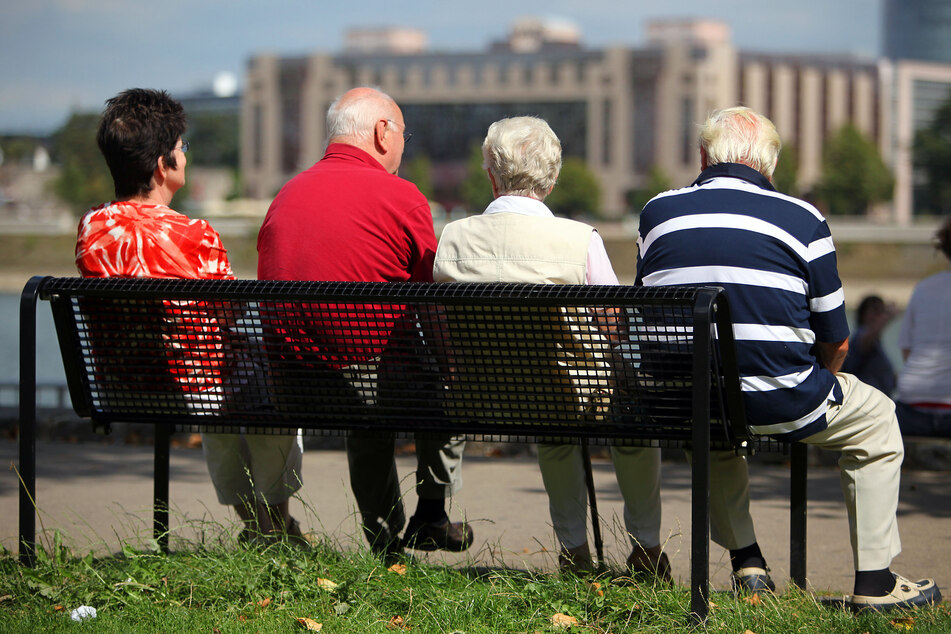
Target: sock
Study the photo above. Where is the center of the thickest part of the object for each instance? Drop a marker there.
(747, 557)
(873, 583)
(431, 510)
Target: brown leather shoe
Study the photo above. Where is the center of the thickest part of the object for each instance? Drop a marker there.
(442, 535)
(575, 560)
(651, 562)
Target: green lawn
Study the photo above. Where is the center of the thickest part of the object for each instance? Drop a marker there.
(229, 588)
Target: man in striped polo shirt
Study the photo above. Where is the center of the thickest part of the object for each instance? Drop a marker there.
(775, 257)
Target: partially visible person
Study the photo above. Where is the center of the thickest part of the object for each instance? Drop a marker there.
(867, 359)
(138, 235)
(774, 256)
(923, 398)
(350, 218)
(518, 239)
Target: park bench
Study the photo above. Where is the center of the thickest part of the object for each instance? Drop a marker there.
(524, 362)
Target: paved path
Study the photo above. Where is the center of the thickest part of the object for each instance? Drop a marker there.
(99, 495)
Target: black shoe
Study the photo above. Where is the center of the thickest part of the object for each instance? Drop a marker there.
(752, 579)
(905, 595)
(442, 535)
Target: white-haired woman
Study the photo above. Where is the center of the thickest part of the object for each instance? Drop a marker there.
(515, 240)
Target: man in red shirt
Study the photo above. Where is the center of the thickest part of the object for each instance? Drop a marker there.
(351, 218)
(138, 235)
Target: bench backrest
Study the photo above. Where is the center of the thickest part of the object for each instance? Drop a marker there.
(492, 360)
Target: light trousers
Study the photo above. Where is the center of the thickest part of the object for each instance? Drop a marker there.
(864, 429)
(246, 468)
(637, 470)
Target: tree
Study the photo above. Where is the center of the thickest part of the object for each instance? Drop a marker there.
(932, 156)
(577, 192)
(786, 176)
(214, 139)
(657, 182)
(475, 190)
(84, 179)
(419, 171)
(853, 174)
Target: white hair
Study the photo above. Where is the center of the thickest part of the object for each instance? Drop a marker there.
(352, 118)
(523, 155)
(741, 135)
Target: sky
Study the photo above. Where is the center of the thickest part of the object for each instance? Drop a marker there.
(60, 56)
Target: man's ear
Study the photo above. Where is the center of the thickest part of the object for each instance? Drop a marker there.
(379, 136)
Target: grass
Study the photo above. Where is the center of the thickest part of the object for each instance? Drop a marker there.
(224, 587)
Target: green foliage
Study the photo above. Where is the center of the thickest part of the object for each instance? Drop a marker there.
(475, 190)
(657, 182)
(932, 156)
(578, 191)
(786, 176)
(17, 148)
(419, 171)
(853, 174)
(214, 139)
(84, 180)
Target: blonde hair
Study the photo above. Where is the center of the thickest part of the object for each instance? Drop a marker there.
(523, 155)
(741, 135)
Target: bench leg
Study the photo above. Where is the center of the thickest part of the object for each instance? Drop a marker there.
(27, 423)
(160, 485)
(797, 514)
(700, 534)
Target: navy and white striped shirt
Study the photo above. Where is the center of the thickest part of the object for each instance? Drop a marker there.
(774, 256)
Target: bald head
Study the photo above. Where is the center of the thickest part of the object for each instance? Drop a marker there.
(370, 120)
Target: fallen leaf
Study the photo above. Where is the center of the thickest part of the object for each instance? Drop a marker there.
(597, 588)
(215, 630)
(749, 632)
(399, 569)
(266, 602)
(397, 623)
(310, 624)
(326, 584)
(563, 620)
(906, 623)
(753, 599)
(58, 608)
(242, 618)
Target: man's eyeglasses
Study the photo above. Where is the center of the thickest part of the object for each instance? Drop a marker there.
(184, 146)
(406, 135)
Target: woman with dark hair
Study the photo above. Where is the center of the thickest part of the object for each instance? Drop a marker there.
(138, 235)
(923, 400)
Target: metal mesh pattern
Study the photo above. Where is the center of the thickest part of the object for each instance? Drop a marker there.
(613, 363)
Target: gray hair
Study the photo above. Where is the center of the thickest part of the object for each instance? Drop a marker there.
(741, 135)
(353, 118)
(523, 155)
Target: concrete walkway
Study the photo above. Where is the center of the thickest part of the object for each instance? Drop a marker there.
(99, 496)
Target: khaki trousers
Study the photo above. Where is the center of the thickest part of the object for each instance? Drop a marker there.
(638, 476)
(864, 429)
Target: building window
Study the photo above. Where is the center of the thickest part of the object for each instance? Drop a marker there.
(686, 131)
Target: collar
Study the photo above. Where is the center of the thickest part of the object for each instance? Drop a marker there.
(734, 170)
(518, 205)
(346, 151)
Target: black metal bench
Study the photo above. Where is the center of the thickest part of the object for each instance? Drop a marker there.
(584, 364)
